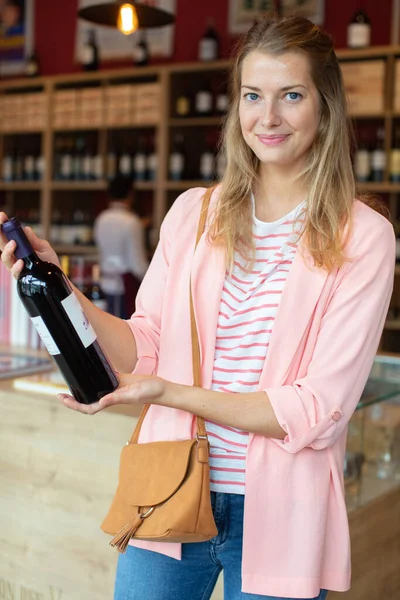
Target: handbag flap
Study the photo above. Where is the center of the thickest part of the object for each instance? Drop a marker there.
(151, 472)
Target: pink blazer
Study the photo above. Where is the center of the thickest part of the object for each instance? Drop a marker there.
(324, 340)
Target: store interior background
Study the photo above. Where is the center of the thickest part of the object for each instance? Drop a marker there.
(55, 25)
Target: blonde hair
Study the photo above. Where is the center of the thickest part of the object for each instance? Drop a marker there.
(328, 173)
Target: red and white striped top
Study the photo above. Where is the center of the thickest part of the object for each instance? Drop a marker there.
(249, 304)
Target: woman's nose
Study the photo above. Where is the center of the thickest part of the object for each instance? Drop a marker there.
(271, 116)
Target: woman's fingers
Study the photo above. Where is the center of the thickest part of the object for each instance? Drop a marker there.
(9, 260)
(3, 239)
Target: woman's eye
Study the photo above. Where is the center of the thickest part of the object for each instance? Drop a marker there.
(251, 97)
(293, 96)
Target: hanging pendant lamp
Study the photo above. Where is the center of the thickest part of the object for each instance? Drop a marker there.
(126, 16)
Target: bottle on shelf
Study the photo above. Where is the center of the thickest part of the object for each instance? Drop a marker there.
(111, 169)
(151, 160)
(395, 158)
(139, 161)
(378, 157)
(29, 167)
(7, 167)
(40, 167)
(125, 163)
(78, 164)
(67, 160)
(97, 170)
(204, 101)
(18, 167)
(359, 30)
(141, 52)
(207, 160)
(209, 43)
(61, 322)
(362, 164)
(58, 155)
(222, 100)
(177, 158)
(87, 160)
(94, 291)
(183, 105)
(90, 52)
(32, 68)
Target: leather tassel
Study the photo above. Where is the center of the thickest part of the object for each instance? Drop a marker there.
(121, 540)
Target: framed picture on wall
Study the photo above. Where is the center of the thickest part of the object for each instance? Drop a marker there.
(114, 45)
(243, 13)
(16, 35)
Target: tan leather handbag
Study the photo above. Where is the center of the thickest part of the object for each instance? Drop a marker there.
(163, 492)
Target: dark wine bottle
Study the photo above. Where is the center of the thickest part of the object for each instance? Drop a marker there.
(57, 315)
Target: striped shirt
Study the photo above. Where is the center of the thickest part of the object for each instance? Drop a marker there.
(249, 303)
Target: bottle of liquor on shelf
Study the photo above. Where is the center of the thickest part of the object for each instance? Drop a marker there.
(18, 166)
(222, 100)
(125, 164)
(66, 228)
(141, 53)
(359, 30)
(151, 160)
(363, 160)
(209, 43)
(378, 157)
(111, 169)
(7, 167)
(207, 161)
(204, 101)
(87, 160)
(58, 155)
(97, 170)
(90, 52)
(32, 68)
(94, 291)
(40, 167)
(78, 166)
(395, 158)
(177, 158)
(183, 105)
(67, 160)
(55, 227)
(139, 161)
(29, 167)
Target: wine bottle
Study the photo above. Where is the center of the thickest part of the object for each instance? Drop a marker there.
(209, 43)
(139, 161)
(177, 158)
(395, 158)
(378, 157)
(141, 51)
(58, 317)
(359, 30)
(182, 106)
(94, 291)
(90, 53)
(363, 160)
(204, 101)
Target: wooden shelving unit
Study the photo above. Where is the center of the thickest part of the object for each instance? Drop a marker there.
(382, 89)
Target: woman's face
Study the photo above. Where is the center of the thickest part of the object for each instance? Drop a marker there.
(279, 108)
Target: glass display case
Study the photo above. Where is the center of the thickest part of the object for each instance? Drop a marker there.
(372, 463)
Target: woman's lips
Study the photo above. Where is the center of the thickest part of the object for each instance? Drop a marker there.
(272, 140)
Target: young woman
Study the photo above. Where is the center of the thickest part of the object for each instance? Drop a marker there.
(291, 283)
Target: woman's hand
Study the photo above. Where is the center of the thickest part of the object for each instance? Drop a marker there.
(41, 247)
(133, 389)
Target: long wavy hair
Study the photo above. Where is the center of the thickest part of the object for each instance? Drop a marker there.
(328, 173)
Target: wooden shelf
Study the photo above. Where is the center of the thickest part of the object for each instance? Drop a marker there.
(393, 324)
(144, 185)
(195, 122)
(24, 132)
(78, 185)
(75, 249)
(383, 187)
(25, 186)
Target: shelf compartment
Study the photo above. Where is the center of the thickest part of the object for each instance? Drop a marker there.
(78, 185)
(195, 122)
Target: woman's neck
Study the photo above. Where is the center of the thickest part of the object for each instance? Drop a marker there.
(276, 195)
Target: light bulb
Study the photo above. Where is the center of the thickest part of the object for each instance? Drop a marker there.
(127, 19)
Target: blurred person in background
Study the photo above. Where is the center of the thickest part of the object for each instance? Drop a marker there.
(119, 236)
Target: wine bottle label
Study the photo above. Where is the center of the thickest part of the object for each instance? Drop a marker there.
(7, 169)
(222, 103)
(29, 165)
(152, 162)
(40, 166)
(208, 49)
(125, 164)
(359, 35)
(203, 102)
(79, 320)
(395, 163)
(87, 56)
(66, 166)
(177, 162)
(45, 335)
(207, 165)
(87, 166)
(97, 167)
(378, 160)
(363, 165)
(182, 106)
(139, 163)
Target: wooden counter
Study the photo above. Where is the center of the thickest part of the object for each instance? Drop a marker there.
(58, 472)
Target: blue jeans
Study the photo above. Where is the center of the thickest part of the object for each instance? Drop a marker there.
(146, 575)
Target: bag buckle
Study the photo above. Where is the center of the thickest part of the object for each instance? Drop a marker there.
(148, 513)
(201, 437)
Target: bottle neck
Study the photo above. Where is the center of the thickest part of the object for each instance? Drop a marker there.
(31, 260)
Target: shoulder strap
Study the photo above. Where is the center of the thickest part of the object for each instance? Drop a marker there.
(201, 428)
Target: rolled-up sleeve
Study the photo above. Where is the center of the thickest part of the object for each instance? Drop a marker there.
(314, 411)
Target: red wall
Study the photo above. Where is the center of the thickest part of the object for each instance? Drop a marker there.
(55, 23)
